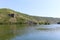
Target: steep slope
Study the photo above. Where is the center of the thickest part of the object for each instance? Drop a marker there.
(11, 16)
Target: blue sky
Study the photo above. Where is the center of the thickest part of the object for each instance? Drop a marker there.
(48, 8)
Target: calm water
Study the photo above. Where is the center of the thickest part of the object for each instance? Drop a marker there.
(34, 32)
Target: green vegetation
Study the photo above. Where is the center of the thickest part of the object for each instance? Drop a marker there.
(9, 31)
(6, 17)
(43, 29)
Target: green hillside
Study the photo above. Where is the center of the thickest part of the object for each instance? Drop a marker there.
(5, 16)
(11, 16)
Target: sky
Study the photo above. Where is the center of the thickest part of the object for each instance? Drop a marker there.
(45, 8)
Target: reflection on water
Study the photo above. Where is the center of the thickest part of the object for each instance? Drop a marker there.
(9, 31)
(25, 32)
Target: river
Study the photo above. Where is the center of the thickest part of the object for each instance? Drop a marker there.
(32, 32)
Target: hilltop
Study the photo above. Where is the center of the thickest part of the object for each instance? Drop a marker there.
(11, 16)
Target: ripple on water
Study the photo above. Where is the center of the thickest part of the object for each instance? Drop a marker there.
(42, 34)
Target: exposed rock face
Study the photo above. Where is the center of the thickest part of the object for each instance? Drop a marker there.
(8, 15)
(12, 20)
(11, 15)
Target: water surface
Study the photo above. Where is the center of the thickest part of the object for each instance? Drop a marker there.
(32, 32)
